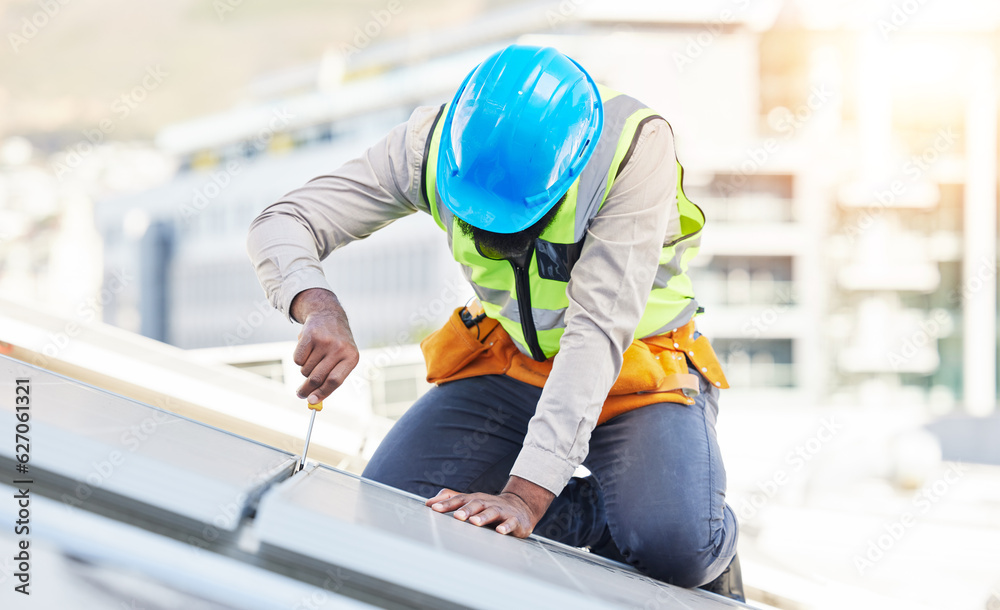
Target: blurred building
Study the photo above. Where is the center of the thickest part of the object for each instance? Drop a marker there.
(50, 250)
(850, 255)
(186, 239)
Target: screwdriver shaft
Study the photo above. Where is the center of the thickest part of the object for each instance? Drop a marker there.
(305, 450)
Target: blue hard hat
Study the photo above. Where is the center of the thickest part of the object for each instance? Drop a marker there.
(517, 134)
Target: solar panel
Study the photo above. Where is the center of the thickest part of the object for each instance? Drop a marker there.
(129, 499)
(99, 451)
(380, 536)
(82, 560)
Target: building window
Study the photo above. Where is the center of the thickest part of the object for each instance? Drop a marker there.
(746, 280)
(745, 197)
(756, 363)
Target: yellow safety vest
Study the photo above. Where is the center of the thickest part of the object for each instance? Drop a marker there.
(530, 302)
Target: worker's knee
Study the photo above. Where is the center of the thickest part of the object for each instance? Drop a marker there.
(682, 570)
(679, 554)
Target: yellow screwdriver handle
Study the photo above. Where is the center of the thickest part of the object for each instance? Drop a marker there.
(316, 407)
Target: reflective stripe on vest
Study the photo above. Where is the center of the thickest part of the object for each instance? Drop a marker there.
(671, 300)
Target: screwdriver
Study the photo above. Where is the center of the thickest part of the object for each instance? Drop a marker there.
(316, 407)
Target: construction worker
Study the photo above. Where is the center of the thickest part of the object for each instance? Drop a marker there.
(562, 202)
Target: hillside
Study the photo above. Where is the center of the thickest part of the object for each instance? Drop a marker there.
(64, 72)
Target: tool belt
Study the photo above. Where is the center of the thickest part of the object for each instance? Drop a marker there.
(654, 369)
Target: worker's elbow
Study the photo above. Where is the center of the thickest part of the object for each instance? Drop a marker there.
(266, 215)
(258, 226)
(253, 237)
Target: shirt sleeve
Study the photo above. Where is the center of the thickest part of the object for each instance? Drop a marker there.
(608, 290)
(289, 238)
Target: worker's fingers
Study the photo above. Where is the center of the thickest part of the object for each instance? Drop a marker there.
(303, 349)
(483, 509)
(312, 360)
(316, 378)
(334, 379)
(514, 527)
(471, 508)
(488, 515)
(327, 354)
(328, 375)
(442, 495)
(450, 504)
(510, 526)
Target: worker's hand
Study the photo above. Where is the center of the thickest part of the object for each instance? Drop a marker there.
(517, 510)
(326, 350)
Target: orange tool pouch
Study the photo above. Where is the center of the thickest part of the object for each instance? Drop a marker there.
(654, 369)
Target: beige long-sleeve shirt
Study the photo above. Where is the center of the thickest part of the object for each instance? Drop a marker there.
(607, 291)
